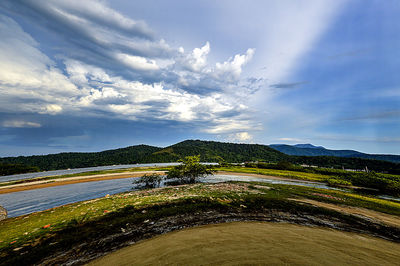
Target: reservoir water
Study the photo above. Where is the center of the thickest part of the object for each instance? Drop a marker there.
(79, 170)
(29, 201)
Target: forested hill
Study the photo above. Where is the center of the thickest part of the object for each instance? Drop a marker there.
(128, 155)
(210, 151)
(310, 150)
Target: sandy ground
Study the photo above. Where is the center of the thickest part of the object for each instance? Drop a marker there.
(71, 180)
(257, 243)
(381, 217)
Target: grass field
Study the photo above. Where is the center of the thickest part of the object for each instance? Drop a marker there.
(255, 243)
(280, 173)
(371, 181)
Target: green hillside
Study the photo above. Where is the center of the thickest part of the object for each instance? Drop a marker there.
(209, 151)
(128, 155)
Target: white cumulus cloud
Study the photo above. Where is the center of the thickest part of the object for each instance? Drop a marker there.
(232, 68)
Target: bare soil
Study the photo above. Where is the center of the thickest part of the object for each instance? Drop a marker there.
(257, 243)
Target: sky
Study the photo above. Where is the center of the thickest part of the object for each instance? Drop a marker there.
(94, 75)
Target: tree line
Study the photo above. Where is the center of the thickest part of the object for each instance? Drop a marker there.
(209, 151)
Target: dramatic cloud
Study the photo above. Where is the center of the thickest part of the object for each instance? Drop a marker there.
(27, 76)
(92, 32)
(73, 72)
(156, 82)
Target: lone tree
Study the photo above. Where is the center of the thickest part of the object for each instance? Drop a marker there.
(189, 171)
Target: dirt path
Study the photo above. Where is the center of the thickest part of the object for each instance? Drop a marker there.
(381, 217)
(71, 180)
(256, 243)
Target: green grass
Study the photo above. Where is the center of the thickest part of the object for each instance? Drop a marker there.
(273, 172)
(385, 183)
(330, 179)
(339, 197)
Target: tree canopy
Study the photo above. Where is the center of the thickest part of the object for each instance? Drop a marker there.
(190, 170)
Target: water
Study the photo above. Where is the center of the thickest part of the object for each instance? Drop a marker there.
(29, 201)
(79, 170)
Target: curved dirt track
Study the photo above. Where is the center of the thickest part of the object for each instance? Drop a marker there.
(257, 243)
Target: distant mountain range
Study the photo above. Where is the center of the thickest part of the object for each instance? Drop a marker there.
(311, 150)
(306, 146)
